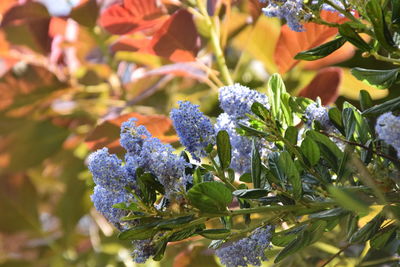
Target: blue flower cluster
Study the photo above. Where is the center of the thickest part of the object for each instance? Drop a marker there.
(236, 101)
(194, 129)
(114, 179)
(388, 129)
(290, 10)
(315, 112)
(247, 251)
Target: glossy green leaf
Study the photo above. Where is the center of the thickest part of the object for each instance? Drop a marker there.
(275, 88)
(365, 100)
(322, 50)
(210, 196)
(215, 234)
(224, 149)
(380, 79)
(352, 36)
(289, 169)
(255, 165)
(310, 150)
(348, 200)
(383, 237)
(377, 17)
(250, 193)
(390, 105)
(369, 230)
(300, 242)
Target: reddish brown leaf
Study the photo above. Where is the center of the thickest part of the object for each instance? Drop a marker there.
(107, 133)
(132, 16)
(28, 25)
(126, 43)
(177, 39)
(324, 85)
(86, 13)
(290, 42)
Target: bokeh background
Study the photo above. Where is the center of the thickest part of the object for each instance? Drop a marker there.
(69, 77)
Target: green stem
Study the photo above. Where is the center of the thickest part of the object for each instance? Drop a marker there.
(270, 209)
(215, 43)
(386, 59)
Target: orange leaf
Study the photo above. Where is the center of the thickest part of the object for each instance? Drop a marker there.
(107, 133)
(290, 42)
(132, 16)
(324, 85)
(126, 43)
(177, 39)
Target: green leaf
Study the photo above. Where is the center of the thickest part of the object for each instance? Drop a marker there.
(329, 150)
(287, 166)
(224, 149)
(300, 242)
(140, 232)
(390, 105)
(383, 237)
(291, 134)
(245, 178)
(395, 11)
(310, 150)
(331, 213)
(351, 224)
(365, 100)
(255, 165)
(159, 249)
(215, 234)
(349, 122)
(322, 50)
(348, 200)
(210, 196)
(275, 88)
(185, 233)
(369, 230)
(250, 193)
(282, 239)
(380, 79)
(335, 116)
(377, 17)
(273, 163)
(174, 223)
(287, 111)
(260, 110)
(352, 36)
(316, 229)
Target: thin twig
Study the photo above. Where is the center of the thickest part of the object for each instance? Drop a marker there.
(335, 255)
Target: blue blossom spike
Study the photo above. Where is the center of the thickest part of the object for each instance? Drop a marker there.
(236, 100)
(132, 136)
(169, 168)
(107, 170)
(104, 200)
(247, 251)
(142, 250)
(194, 129)
(388, 129)
(290, 10)
(318, 113)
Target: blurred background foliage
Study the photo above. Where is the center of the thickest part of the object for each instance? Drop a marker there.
(72, 72)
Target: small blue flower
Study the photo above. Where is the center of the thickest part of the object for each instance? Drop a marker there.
(104, 200)
(194, 129)
(236, 100)
(318, 113)
(388, 129)
(132, 136)
(142, 250)
(107, 170)
(247, 251)
(290, 10)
